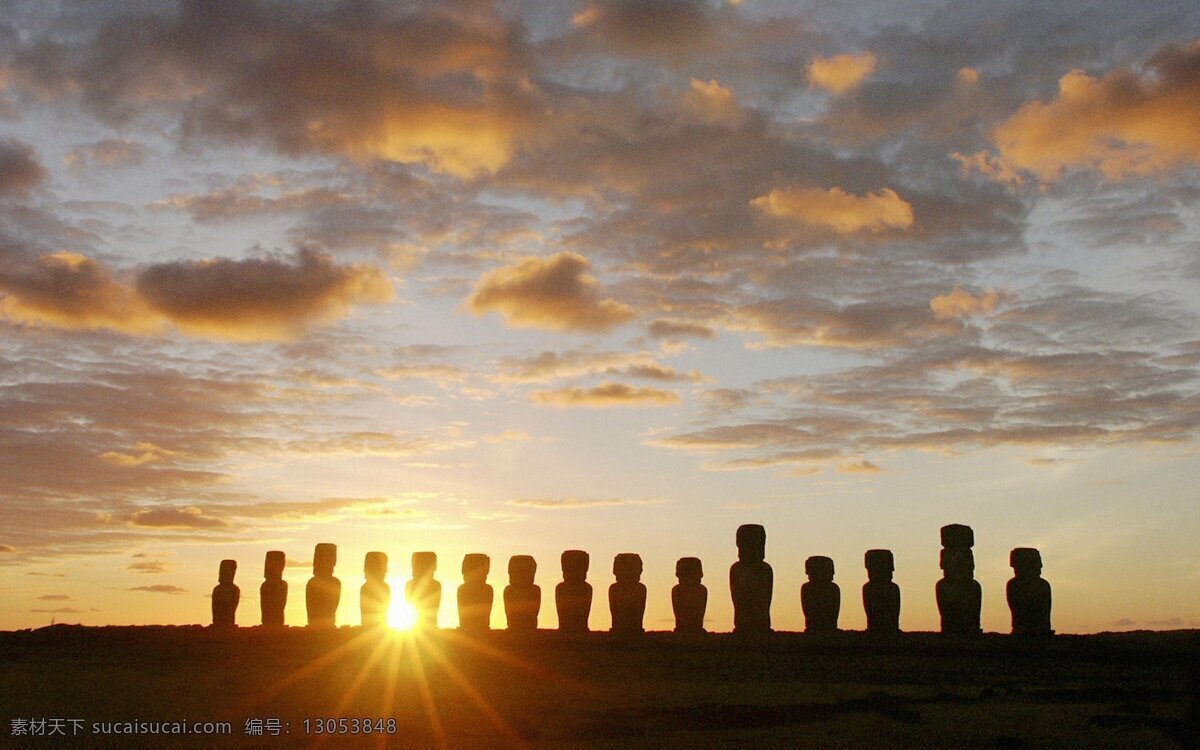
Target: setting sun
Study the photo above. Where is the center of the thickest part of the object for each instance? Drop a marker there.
(401, 615)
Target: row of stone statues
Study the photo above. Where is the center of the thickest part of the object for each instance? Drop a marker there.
(751, 583)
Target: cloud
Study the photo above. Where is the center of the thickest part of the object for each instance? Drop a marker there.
(148, 566)
(607, 394)
(20, 170)
(712, 103)
(7, 548)
(573, 503)
(69, 290)
(663, 329)
(841, 73)
(107, 154)
(159, 588)
(1124, 124)
(170, 517)
(241, 300)
(646, 27)
(58, 611)
(837, 210)
(555, 293)
(259, 298)
(508, 436)
(960, 304)
(54, 598)
(859, 467)
(437, 86)
(861, 325)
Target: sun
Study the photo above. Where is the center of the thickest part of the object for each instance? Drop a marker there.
(401, 615)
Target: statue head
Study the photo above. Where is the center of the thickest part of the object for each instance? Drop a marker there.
(273, 564)
(819, 569)
(957, 563)
(521, 570)
(324, 559)
(880, 564)
(475, 568)
(375, 566)
(627, 567)
(1026, 562)
(227, 571)
(689, 570)
(424, 564)
(752, 542)
(575, 565)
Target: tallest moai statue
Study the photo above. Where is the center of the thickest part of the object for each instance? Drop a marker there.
(959, 596)
(323, 592)
(751, 582)
(272, 594)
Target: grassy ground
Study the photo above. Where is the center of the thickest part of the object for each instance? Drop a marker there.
(850, 691)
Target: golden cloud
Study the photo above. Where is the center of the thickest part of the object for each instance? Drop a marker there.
(961, 304)
(259, 299)
(712, 103)
(1123, 124)
(859, 467)
(841, 73)
(837, 210)
(555, 293)
(68, 290)
(605, 395)
(240, 300)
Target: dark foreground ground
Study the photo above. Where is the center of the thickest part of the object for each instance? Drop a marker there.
(1133, 690)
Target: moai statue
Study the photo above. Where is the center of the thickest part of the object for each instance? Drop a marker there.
(820, 598)
(881, 597)
(573, 597)
(959, 596)
(475, 595)
(522, 597)
(751, 582)
(423, 592)
(323, 592)
(375, 596)
(225, 596)
(272, 594)
(627, 597)
(1028, 593)
(689, 598)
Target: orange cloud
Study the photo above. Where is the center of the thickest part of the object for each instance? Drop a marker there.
(605, 395)
(713, 103)
(841, 73)
(837, 210)
(169, 517)
(1123, 124)
(20, 170)
(961, 304)
(555, 293)
(68, 290)
(240, 300)
(259, 299)
(859, 467)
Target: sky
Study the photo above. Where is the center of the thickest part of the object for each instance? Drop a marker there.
(516, 277)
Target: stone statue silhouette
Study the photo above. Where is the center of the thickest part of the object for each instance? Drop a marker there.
(423, 592)
(627, 596)
(959, 596)
(820, 598)
(475, 595)
(1028, 594)
(323, 592)
(751, 582)
(573, 597)
(881, 597)
(272, 594)
(225, 596)
(522, 598)
(689, 597)
(375, 596)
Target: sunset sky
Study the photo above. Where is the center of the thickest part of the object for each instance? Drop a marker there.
(514, 277)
